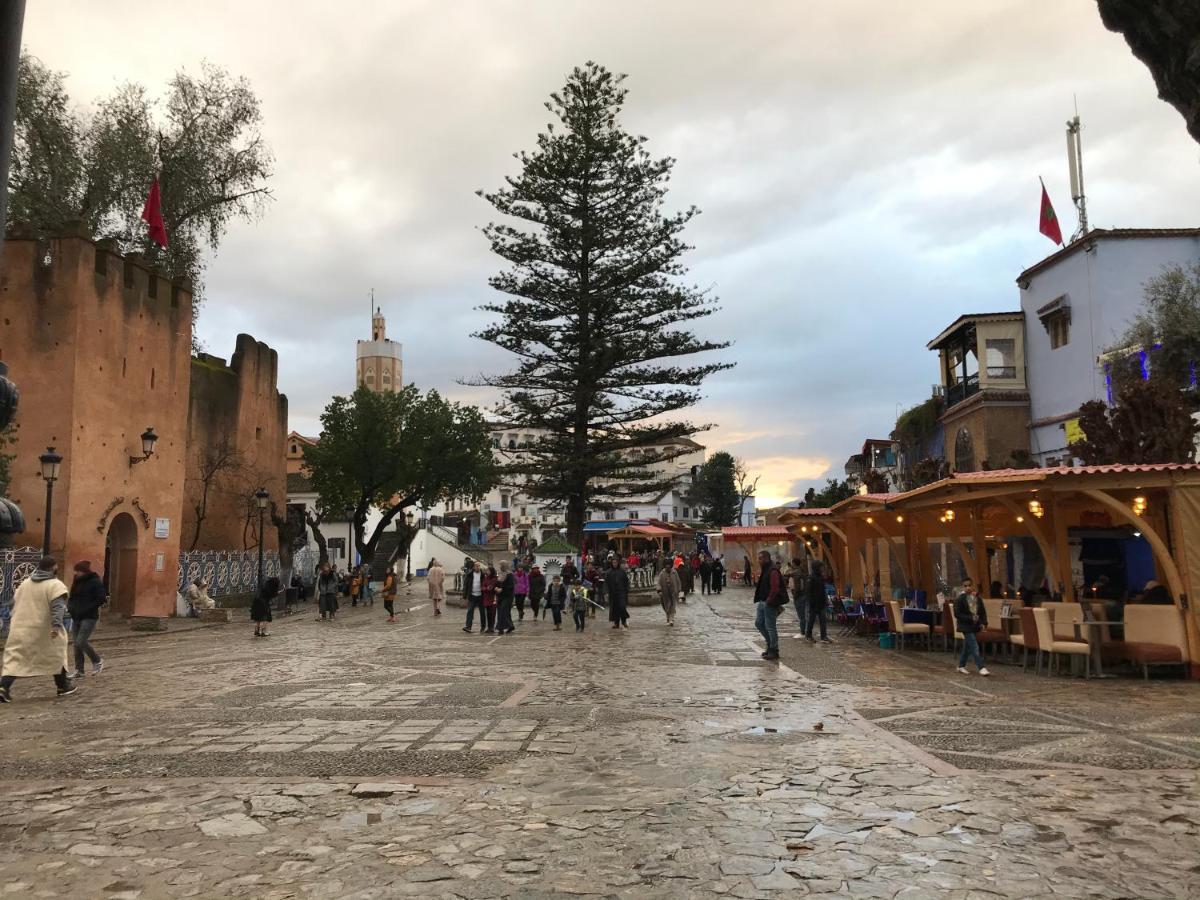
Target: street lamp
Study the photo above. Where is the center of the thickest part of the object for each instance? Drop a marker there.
(408, 517)
(261, 496)
(51, 462)
(149, 439)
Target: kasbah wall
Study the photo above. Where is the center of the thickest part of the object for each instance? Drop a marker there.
(100, 348)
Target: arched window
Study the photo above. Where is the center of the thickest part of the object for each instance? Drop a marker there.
(964, 451)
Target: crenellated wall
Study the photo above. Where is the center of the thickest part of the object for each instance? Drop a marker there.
(99, 346)
(238, 405)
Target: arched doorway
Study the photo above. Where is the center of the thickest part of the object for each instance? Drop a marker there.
(120, 563)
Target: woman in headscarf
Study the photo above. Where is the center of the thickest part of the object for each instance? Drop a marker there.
(537, 590)
(435, 576)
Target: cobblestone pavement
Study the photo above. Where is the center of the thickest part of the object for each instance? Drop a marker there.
(361, 760)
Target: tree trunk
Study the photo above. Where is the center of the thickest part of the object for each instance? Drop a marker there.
(575, 517)
(322, 544)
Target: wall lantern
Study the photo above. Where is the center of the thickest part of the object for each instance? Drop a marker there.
(261, 497)
(1139, 505)
(149, 439)
(51, 463)
(948, 515)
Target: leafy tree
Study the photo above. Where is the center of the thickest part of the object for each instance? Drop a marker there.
(1153, 367)
(1167, 328)
(595, 309)
(876, 482)
(8, 441)
(834, 492)
(391, 451)
(1150, 422)
(715, 490)
(95, 167)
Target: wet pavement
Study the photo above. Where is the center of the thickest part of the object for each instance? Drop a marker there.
(358, 759)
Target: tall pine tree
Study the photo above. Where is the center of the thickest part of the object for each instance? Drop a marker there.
(595, 310)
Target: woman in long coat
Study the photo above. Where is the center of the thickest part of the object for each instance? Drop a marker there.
(505, 589)
(37, 639)
(616, 585)
(436, 578)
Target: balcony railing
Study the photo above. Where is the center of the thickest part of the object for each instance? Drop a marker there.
(1008, 372)
(957, 393)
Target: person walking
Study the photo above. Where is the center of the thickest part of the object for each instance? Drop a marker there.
(817, 602)
(260, 606)
(473, 592)
(37, 640)
(769, 596)
(705, 575)
(687, 578)
(668, 592)
(355, 587)
(389, 593)
(327, 591)
(435, 577)
(556, 599)
(520, 589)
(746, 572)
(579, 605)
(505, 591)
(537, 590)
(487, 615)
(569, 571)
(799, 586)
(87, 596)
(616, 586)
(970, 617)
(718, 574)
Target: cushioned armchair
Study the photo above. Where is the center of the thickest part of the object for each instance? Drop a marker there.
(1049, 643)
(1154, 636)
(901, 628)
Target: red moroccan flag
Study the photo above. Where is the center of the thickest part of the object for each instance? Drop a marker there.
(152, 216)
(1047, 222)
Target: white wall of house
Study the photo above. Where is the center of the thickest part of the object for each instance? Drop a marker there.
(1103, 283)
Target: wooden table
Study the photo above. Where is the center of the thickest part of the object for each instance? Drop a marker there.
(1094, 639)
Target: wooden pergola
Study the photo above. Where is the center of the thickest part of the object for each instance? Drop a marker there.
(885, 539)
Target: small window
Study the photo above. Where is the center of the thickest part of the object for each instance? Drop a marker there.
(258, 434)
(1059, 328)
(964, 451)
(151, 379)
(295, 449)
(495, 443)
(666, 517)
(512, 443)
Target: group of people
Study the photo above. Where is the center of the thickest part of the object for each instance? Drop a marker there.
(807, 595)
(38, 640)
(358, 587)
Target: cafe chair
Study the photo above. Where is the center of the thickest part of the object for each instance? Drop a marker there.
(901, 628)
(1055, 647)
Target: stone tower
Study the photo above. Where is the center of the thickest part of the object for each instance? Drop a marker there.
(379, 365)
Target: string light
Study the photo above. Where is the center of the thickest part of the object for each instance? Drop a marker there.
(1036, 509)
(1139, 505)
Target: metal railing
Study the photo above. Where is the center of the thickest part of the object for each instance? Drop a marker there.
(957, 393)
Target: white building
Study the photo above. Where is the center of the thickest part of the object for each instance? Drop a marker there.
(1076, 303)
(508, 507)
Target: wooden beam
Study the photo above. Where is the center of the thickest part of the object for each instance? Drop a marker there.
(979, 545)
(1037, 531)
(968, 564)
(1161, 552)
(1062, 549)
(891, 542)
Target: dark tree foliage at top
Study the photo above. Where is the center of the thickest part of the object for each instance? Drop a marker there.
(596, 311)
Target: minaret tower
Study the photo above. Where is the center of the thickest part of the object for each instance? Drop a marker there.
(380, 361)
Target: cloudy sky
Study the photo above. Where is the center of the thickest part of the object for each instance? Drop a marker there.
(867, 171)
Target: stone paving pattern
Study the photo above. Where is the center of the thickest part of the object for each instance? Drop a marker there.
(358, 760)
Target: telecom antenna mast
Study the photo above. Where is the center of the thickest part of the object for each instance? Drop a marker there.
(1075, 164)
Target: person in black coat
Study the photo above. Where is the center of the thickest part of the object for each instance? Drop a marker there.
(505, 591)
(83, 606)
(815, 592)
(260, 608)
(616, 585)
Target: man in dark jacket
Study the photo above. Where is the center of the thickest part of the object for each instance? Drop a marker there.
(83, 605)
(970, 617)
(817, 601)
(770, 594)
(616, 586)
(505, 592)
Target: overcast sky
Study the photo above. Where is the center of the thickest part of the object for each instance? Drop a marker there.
(867, 172)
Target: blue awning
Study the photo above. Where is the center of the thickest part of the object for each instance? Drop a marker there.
(605, 526)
